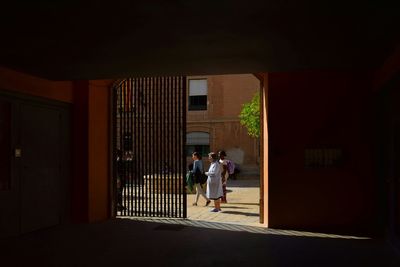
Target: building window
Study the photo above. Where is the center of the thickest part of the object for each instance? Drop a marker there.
(198, 94)
(199, 142)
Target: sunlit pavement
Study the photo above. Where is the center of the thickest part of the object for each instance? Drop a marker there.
(242, 208)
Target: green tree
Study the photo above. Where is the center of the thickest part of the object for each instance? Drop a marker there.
(250, 116)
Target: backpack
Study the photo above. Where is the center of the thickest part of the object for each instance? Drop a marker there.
(230, 166)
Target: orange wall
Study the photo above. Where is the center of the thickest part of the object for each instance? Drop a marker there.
(90, 179)
(31, 85)
(321, 109)
(264, 188)
(99, 200)
(91, 200)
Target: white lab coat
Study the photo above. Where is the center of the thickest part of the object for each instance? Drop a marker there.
(214, 183)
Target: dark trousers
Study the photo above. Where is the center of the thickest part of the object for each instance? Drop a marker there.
(120, 191)
(223, 199)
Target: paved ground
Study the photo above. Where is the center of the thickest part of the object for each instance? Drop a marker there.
(206, 239)
(126, 242)
(242, 207)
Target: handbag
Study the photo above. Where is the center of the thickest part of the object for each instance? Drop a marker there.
(200, 177)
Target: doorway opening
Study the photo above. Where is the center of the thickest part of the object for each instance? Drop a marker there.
(158, 122)
(217, 108)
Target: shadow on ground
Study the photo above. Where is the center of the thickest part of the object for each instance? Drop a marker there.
(140, 243)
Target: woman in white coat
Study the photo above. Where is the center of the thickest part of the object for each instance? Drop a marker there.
(214, 183)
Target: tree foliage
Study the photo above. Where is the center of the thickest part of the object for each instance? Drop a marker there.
(250, 116)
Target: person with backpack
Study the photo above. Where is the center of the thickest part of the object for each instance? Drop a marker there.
(228, 168)
(199, 177)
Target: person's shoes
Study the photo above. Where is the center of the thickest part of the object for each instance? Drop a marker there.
(208, 202)
(215, 210)
(194, 204)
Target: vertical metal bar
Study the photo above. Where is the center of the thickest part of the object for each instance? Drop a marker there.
(150, 126)
(126, 189)
(144, 146)
(164, 138)
(137, 149)
(124, 146)
(183, 131)
(157, 153)
(144, 151)
(149, 147)
(181, 178)
(139, 146)
(172, 147)
(119, 138)
(150, 150)
(164, 144)
(131, 181)
(142, 143)
(135, 144)
(174, 131)
(114, 172)
(168, 123)
(147, 144)
(169, 145)
(153, 150)
(178, 146)
(127, 164)
(159, 146)
(155, 143)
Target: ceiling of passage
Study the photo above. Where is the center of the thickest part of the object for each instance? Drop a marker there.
(70, 40)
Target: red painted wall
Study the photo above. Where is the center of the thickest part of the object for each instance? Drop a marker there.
(321, 109)
(27, 84)
(80, 152)
(90, 199)
(98, 165)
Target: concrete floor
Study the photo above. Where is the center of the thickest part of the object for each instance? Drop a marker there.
(139, 243)
(230, 238)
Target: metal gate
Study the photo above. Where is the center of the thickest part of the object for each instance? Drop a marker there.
(149, 145)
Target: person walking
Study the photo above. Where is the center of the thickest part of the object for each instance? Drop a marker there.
(197, 172)
(214, 184)
(121, 179)
(224, 173)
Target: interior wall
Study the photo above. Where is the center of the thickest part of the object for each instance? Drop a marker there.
(90, 135)
(33, 89)
(16, 81)
(317, 109)
(80, 153)
(264, 185)
(99, 123)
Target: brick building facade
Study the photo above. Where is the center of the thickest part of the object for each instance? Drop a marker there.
(214, 105)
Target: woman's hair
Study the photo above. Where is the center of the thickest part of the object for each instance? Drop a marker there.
(213, 155)
(197, 154)
(222, 153)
